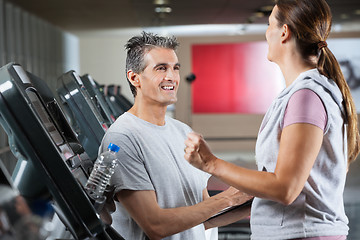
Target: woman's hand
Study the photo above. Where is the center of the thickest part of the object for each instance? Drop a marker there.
(198, 153)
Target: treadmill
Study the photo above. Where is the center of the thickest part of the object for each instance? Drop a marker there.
(17, 220)
(98, 98)
(115, 92)
(115, 108)
(62, 124)
(84, 117)
(45, 157)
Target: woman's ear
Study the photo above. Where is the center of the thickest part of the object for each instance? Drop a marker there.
(133, 78)
(285, 33)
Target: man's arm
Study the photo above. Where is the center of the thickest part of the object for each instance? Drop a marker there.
(158, 223)
(229, 217)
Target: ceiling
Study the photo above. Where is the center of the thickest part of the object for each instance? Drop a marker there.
(84, 15)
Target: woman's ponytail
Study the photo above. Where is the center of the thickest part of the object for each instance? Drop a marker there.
(329, 66)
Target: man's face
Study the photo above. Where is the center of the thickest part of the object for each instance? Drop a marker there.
(159, 82)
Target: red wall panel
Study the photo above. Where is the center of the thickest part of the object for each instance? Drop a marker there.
(233, 78)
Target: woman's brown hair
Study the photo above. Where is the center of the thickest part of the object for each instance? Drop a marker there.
(310, 23)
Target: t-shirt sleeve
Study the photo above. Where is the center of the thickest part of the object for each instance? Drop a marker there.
(130, 173)
(305, 106)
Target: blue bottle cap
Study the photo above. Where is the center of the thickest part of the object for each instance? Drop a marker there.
(113, 147)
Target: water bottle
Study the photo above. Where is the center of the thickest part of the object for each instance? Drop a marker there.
(104, 168)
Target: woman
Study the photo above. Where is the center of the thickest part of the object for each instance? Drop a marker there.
(307, 139)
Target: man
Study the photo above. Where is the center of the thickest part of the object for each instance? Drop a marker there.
(159, 194)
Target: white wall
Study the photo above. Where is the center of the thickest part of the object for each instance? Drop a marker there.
(103, 57)
(71, 52)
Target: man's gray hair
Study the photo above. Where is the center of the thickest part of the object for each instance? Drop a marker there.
(138, 46)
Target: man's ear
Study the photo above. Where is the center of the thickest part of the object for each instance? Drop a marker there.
(285, 33)
(133, 78)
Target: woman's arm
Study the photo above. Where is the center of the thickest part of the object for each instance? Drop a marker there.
(299, 146)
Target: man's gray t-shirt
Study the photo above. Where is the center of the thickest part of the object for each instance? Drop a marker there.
(151, 157)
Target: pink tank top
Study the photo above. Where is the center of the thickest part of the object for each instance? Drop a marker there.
(305, 106)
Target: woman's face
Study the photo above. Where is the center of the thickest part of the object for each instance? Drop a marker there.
(273, 36)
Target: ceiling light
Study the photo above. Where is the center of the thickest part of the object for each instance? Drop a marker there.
(209, 29)
(161, 2)
(259, 14)
(344, 16)
(267, 8)
(163, 9)
(263, 11)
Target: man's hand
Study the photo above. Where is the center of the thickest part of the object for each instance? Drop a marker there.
(109, 207)
(236, 196)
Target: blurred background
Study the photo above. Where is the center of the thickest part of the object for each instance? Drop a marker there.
(227, 82)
